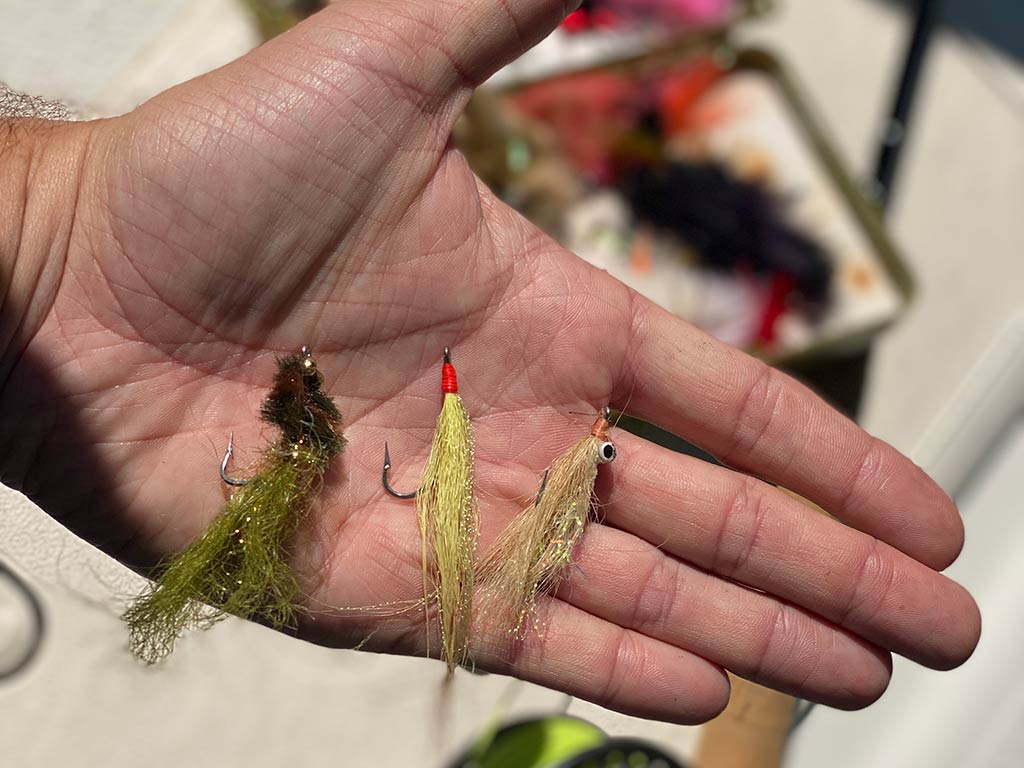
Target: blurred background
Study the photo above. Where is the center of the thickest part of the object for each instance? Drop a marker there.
(859, 167)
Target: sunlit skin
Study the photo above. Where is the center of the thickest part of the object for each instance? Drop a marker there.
(156, 264)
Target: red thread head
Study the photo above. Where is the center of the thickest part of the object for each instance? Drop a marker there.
(449, 381)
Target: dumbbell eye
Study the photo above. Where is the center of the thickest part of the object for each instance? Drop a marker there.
(606, 453)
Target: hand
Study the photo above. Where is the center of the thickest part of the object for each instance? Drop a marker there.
(308, 194)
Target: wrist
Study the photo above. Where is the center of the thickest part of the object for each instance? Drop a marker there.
(41, 165)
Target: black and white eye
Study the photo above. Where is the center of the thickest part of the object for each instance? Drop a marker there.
(606, 452)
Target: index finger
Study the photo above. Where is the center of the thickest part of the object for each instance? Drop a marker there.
(756, 419)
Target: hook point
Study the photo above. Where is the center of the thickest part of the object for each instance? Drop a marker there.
(384, 478)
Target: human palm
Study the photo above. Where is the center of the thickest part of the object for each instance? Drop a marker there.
(308, 194)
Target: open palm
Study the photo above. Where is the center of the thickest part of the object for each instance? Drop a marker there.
(308, 194)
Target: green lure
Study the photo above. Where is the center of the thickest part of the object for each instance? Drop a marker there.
(239, 565)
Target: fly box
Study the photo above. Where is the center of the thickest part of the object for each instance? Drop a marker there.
(698, 174)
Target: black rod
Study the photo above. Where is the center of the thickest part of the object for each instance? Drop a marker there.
(895, 134)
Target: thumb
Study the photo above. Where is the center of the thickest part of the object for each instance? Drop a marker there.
(447, 46)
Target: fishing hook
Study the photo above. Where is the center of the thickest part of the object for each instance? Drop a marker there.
(224, 464)
(543, 485)
(384, 478)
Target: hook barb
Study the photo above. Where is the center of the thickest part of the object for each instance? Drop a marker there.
(384, 478)
(224, 464)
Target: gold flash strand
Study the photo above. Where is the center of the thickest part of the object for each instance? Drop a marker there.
(240, 565)
(533, 554)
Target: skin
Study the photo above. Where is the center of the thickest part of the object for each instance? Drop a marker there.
(154, 265)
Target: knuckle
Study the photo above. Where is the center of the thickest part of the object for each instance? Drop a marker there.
(774, 631)
(628, 664)
(757, 411)
(739, 534)
(657, 594)
(866, 479)
(870, 587)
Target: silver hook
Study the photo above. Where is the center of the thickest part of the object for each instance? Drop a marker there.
(384, 478)
(543, 485)
(224, 464)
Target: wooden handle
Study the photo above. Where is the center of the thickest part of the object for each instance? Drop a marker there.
(751, 732)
